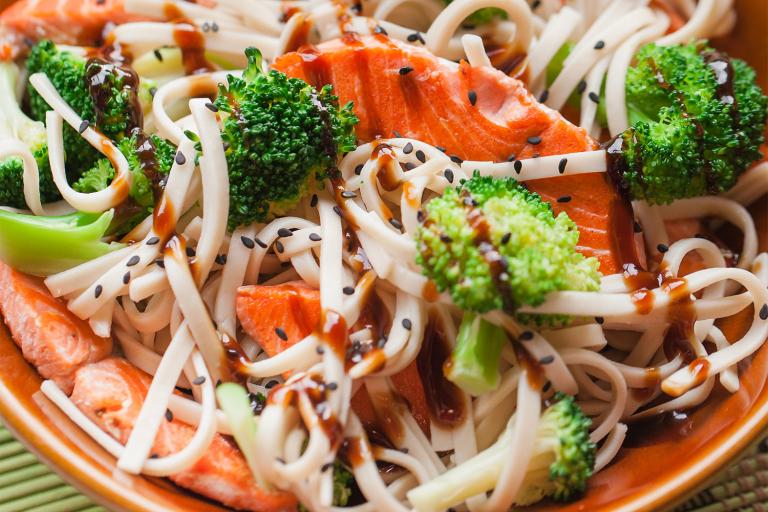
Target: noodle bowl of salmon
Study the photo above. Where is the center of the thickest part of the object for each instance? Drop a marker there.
(385, 255)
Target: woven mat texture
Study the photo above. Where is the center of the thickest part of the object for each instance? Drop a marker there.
(26, 485)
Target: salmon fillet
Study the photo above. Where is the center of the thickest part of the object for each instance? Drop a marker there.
(75, 22)
(51, 338)
(475, 114)
(294, 308)
(111, 393)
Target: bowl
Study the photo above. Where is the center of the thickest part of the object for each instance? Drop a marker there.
(669, 462)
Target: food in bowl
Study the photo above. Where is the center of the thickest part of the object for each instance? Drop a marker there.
(321, 255)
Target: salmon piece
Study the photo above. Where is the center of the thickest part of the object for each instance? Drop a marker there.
(295, 308)
(111, 393)
(51, 338)
(431, 103)
(74, 22)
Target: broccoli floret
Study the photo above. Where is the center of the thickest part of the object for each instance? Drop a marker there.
(150, 160)
(563, 459)
(474, 365)
(492, 244)
(282, 135)
(104, 93)
(693, 129)
(15, 124)
(46, 245)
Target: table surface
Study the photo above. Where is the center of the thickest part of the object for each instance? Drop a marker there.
(27, 485)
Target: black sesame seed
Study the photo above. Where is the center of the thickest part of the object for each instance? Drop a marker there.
(594, 97)
(315, 237)
(472, 96)
(638, 228)
(97, 291)
(279, 247)
(455, 159)
(382, 341)
(535, 5)
(441, 148)
(358, 170)
(512, 157)
(547, 386)
(547, 359)
(404, 71)
(284, 232)
(408, 148)
(662, 248)
(221, 259)
(199, 380)
(153, 241)
(348, 194)
(320, 350)
(168, 415)
(420, 156)
(564, 199)
(396, 223)
(127, 277)
(160, 263)
(260, 243)
(313, 201)
(600, 45)
(281, 334)
(133, 260)
(158, 55)
(526, 336)
(581, 87)
(332, 386)
(407, 324)
(534, 140)
(409, 166)
(180, 158)
(561, 165)
(448, 174)
(325, 467)
(420, 216)
(416, 36)
(518, 165)
(83, 126)
(380, 30)
(505, 238)
(206, 26)
(445, 238)
(153, 455)
(215, 26)
(152, 91)
(210, 106)
(338, 211)
(600, 320)
(190, 252)
(271, 384)
(248, 242)
(536, 155)
(544, 96)
(764, 312)
(398, 135)
(348, 290)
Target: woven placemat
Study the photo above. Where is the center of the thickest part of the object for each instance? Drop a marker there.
(27, 485)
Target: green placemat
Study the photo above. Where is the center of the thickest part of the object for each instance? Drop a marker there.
(26, 485)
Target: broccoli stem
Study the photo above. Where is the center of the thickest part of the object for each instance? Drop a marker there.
(474, 366)
(46, 245)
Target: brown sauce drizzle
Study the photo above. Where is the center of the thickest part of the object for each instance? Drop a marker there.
(388, 174)
(444, 398)
(333, 332)
(390, 424)
(314, 388)
(300, 35)
(189, 40)
(651, 384)
(354, 451)
(533, 369)
(509, 59)
(98, 72)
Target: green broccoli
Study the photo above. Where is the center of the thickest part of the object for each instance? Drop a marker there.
(697, 122)
(46, 245)
(101, 92)
(150, 160)
(281, 136)
(493, 245)
(563, 460)
(15, 124)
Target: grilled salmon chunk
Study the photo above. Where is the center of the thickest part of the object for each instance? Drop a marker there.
(475, 114)
(111, 393)
(51, 338)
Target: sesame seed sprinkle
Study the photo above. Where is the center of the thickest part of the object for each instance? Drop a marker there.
(348, 194)
(281, 333)
(505, 238)
(535, 140)
(210, 106)
(408, 148)
(764, 312)
(472, 96)
(332, 386)
(564, 199)
(594, 97)
(325, 467)
(448, 174)
(526, 336)
(279, 247)
(407, 324)
(248, 242)
(180, 158)
(600, 320)
(315, 237)
(284, 232)
(127, 277)
(600, 45)
(638, 228)
(83, 126)
(547, 359)
(662, 248)
(582, 87)
(544, 96)
(168, 415)
(320, 350)
(455, 159)
(396, 223)
(199, 380)
(405, 70)
(380, 30)
(260, 243)
(512, 157)
(97, 291)
(221, 259)
(420, 216)
(158, 55)
(445, 238)
(547, 386)
(271, 384)
(416, 36)
(420, 156)
(348, 290)
(338, 211)
(561, 165)
(313, 201)
(133, 260)
(190, 252)
(518, 165)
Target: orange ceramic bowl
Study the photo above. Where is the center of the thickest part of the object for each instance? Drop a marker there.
(661, 465)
